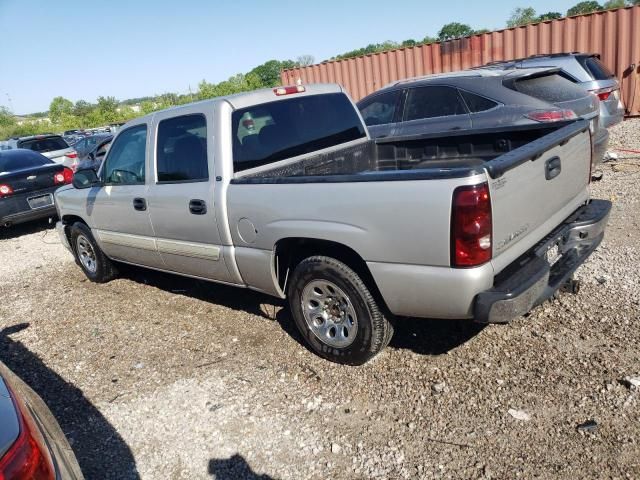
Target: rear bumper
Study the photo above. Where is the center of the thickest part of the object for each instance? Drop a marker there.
(15, 209)
(531, 280)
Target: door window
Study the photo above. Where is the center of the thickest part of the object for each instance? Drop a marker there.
(125, 164)
(431, 102)
(379, 109)
(181, 151)
(476, 103)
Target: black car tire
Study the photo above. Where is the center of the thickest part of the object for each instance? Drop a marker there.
(373, 331)
(94, 263)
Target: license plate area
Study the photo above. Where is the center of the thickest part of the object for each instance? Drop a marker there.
(553, 254)
(40, 201)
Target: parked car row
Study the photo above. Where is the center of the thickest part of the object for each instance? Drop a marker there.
(541, 89)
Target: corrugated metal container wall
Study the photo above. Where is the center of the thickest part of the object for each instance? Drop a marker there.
(614, 34)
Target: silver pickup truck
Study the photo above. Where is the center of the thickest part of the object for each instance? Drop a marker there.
(282, 191)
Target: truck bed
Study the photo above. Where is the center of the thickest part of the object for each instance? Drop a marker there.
(454, 154)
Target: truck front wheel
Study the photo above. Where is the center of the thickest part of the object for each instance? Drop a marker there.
(335, 311)
(94, 263)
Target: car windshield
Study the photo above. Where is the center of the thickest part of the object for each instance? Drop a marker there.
(46, 144)
(13, 160)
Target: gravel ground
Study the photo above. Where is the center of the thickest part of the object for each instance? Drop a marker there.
(156, 376)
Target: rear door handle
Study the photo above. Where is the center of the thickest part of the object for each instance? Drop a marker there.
(552, 168)
(197, 207)
(140, 204)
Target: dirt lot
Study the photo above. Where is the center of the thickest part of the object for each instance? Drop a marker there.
(153, 376)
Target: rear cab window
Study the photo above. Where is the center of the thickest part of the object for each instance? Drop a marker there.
(46, 144)
(274, 131)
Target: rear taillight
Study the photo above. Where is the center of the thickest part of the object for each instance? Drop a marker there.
(71, 155)
(551, 115)
(603, 93)
(28, 457)
(471, 226)
(289, 90)
(5, 190)
(64, 177)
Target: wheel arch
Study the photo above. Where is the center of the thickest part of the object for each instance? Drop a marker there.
(290, 251)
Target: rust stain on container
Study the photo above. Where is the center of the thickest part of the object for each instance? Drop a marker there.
(614, 35)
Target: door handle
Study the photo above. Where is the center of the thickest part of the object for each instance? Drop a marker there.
(197, 207)
(456, 128)
(140, 204)
(552, 168)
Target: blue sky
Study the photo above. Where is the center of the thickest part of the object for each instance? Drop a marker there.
(131, 48)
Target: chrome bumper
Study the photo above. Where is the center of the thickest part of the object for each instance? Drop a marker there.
(531, 280)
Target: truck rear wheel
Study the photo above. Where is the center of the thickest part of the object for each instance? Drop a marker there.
(94, 263)
(335, 311)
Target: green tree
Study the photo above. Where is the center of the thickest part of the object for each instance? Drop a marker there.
(269, 72)
(609, 4)
(6, 118)
(59, 107)
(482, 30)
(584, 7)
(454, 30)
(549, 16)
(409, 43)
(107, 110)
(428, 39)
(522, 16)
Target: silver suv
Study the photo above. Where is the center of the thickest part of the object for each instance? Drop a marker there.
(588, 71)
(51, 146)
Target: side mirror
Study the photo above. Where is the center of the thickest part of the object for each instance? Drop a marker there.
(85, 178)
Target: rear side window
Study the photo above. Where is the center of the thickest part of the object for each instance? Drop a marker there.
(125, 164)
(598, 70)
(379, 109)
(431, 102)
(182, 149)
(476, 103)
(274, 131)
(47, 144)
(18, 160)
(550, 88)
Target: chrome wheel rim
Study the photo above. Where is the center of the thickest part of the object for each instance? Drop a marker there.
(329, 313)
(86, 254)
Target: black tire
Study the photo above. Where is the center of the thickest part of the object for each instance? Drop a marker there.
(104, 270)
(373, 331)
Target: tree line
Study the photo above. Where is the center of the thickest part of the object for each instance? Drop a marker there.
(66, 115)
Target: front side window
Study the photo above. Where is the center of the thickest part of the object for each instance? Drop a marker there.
(283, 129)
(432, 102)
(181, 151)
(125, 164)
(379, 109)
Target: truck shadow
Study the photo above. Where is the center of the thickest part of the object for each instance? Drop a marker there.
(423, 336)
(28, 228)
(428, 336)
(234, 468)
(100, 450)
